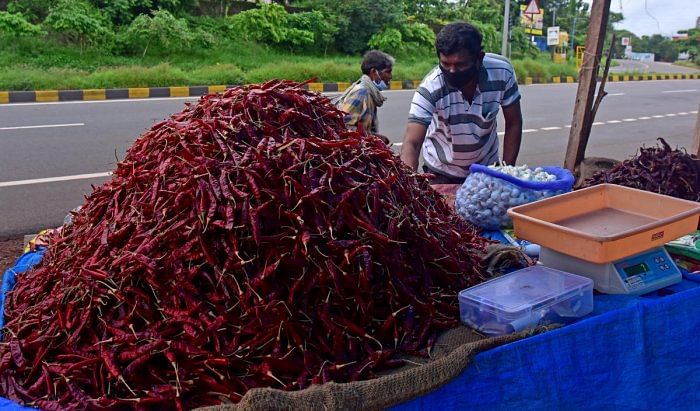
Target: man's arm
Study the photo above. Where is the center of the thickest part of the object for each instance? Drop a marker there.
(513, 134)
(412, 143)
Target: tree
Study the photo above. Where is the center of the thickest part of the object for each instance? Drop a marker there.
(664, 48)
(78, 21)
(162, 30)
(15, 25)
(123, 12)
(271, 24)
(691, 45)
(319, 24)
(359, 20)
(34, 11)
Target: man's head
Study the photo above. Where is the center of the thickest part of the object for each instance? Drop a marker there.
(378, 66)
(460, 52)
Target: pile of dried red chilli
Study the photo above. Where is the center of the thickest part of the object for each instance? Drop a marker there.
(248, 241)
(659, 169)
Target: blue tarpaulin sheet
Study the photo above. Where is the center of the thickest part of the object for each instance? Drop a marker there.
(631, 353)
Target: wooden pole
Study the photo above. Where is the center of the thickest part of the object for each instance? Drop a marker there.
(696, 140)
(581, 123)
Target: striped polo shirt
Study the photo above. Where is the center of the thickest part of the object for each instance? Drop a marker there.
(460, 134)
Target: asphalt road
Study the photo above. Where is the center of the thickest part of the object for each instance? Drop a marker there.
(631, 66)
(49, 152)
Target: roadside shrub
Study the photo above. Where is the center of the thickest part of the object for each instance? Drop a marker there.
(25, 78)
(535, 69)
(216, 74)
(520, 70)
(324, 72)
(162, 75)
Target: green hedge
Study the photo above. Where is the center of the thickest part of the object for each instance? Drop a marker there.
(167, 74)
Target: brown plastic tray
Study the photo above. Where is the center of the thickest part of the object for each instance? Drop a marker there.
(604, 223)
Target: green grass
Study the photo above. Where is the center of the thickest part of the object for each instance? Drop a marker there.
(41, 64)
(688, 64)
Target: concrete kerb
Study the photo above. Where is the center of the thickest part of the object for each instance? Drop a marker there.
(197, 91)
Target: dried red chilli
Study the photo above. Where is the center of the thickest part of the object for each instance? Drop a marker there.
(248, 241)
(659, 169)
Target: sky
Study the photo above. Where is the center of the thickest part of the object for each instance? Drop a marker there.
(672, 15)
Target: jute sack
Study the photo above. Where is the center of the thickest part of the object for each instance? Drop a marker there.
(453, 351)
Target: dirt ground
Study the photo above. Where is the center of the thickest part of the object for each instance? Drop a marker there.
(10, 250)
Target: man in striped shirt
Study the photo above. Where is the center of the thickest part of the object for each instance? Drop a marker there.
(453, 112)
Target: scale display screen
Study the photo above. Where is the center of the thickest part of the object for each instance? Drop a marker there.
(636, 269)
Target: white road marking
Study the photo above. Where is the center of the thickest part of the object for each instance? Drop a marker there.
(658, 116)
(670, 115)
(397, 144)
(616, 94)
(629, 119)
(682, 113)
(529, 130)
(43, 126)
(501, 133)
(550, 128)
(680, 91)
(98, 101)
(568, 126)
(598, 123)
(694, 112)
(614, 121)
(644, 118)
(53, 179)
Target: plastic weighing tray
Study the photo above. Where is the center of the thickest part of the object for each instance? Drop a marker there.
(604, 223)
(526, 298)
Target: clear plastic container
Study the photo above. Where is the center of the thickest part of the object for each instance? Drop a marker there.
(526, 298)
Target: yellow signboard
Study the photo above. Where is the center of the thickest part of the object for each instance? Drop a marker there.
(532, 23)
(579, 56)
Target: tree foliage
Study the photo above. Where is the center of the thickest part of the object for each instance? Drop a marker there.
(162, 31)
(78, 21)
(34, 11)
(15, 25)
(270, 24)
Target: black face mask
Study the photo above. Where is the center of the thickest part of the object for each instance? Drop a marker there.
(459, 79)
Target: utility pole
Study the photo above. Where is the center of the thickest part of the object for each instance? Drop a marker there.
(695, 150)
(506, 22)
(574, 9)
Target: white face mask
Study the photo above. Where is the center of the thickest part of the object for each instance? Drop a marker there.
(381, 85)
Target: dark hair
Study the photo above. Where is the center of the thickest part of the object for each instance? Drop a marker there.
(456, 37)
(375, 59)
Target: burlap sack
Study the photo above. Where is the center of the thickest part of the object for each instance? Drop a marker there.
(453, 351)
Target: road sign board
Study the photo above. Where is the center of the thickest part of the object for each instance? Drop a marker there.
(625, 41)
(553, 36)
(532, 23)
(532, 8)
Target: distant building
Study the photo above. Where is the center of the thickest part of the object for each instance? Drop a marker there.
(697, 23)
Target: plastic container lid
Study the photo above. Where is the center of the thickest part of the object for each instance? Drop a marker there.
(516, 294)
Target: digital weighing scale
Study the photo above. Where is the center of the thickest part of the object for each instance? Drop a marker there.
(638, 274)
(611, 234)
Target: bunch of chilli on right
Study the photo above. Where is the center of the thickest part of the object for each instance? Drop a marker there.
(659, 169)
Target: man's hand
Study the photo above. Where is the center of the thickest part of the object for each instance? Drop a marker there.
(412, 142)
(514, 133)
